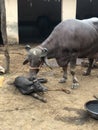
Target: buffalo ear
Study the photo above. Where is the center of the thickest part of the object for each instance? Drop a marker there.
(44, 52)
(27, 47)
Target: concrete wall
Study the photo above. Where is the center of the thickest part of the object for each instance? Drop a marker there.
(12, 20)
(68, 9)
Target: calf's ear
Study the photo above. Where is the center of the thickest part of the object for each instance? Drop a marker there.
(44, 52)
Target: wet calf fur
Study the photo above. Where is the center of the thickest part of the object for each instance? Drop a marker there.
(27, 87)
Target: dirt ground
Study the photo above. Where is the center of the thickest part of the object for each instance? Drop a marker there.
(62, 111)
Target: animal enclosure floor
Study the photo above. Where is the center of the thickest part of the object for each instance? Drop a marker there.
(61, 112)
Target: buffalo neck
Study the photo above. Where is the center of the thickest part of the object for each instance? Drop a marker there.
(50, 44)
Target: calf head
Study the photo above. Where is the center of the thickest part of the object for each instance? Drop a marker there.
(38, 87)
(35, 57)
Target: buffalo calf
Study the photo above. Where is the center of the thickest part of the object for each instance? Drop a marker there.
(27, 87)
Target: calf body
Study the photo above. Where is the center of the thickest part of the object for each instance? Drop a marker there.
(71, 39)
(26, 86)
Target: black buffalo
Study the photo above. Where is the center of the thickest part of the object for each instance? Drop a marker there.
(71, 39)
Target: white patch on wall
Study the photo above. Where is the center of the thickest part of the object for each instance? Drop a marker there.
(68, 9)
(12, 20)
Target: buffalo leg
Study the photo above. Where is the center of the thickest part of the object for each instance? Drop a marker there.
(75, 82)
(64, 78)
(88, 71)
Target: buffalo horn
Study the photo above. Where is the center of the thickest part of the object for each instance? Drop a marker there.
(27, 47)
(46, 62)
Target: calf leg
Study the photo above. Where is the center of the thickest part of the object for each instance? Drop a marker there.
(75, 82)
(35, 95)
(88, 71)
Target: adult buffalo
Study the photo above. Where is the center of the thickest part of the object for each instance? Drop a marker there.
(71, 39)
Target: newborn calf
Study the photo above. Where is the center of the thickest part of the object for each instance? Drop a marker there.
(28, 87)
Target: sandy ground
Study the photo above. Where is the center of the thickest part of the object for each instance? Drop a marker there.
(62, 111)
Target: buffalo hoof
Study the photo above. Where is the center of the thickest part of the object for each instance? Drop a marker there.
(62, 80)
(86, 73)
(44, 100)
(75, 85)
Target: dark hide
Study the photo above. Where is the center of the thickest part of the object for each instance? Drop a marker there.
(71, 39)
(26, 86)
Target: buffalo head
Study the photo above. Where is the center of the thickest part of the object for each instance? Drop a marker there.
(36, 57)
